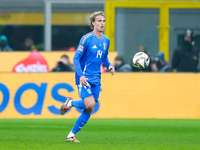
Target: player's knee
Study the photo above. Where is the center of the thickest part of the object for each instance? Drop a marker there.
(89, 110)
(90, 105)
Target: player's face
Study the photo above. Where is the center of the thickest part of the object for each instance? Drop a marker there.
(99, 23)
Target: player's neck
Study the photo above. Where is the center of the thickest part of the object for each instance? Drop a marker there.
(98, 34)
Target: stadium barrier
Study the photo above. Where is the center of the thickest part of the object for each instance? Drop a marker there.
(124, 95)
(10, 59)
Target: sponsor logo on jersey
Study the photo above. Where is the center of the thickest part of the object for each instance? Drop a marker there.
(94, 47)
(80, 48)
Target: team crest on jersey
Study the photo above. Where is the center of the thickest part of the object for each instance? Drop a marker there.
(89, 91)
(80, 48)
(104, 46)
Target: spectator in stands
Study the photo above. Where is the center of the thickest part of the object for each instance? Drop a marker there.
(120, 65)
(158, 64)
(142, 48)
(29, 44)
(4, 46)
(63, 65)
(186, 57)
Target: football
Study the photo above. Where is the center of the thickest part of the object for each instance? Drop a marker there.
(141, 60)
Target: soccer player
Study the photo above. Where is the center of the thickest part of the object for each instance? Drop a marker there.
(91, 52)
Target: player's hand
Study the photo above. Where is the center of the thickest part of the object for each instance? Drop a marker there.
(83, 80)
(112, 70)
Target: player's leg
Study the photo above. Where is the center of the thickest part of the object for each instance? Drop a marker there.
(76, 103)
(84, 117)
(84, 91)
(65, 106)
(71, 103)
(86, 94)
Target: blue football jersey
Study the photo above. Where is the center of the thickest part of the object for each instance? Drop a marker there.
(90, 53)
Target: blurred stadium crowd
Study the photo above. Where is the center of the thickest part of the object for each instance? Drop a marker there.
(22, 29)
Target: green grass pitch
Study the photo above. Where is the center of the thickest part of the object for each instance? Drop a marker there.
(101, 134)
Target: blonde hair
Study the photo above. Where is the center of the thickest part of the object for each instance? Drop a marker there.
(93, 16)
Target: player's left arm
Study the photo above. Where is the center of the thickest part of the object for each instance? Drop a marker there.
(107, 63)
(112, 70)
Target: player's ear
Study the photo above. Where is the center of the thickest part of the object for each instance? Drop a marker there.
(93, 22)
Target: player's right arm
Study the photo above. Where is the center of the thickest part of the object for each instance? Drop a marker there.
(106, 61)
(78, 54)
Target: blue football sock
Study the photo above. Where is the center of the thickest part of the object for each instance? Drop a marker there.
(78, 104)
(81, 121)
